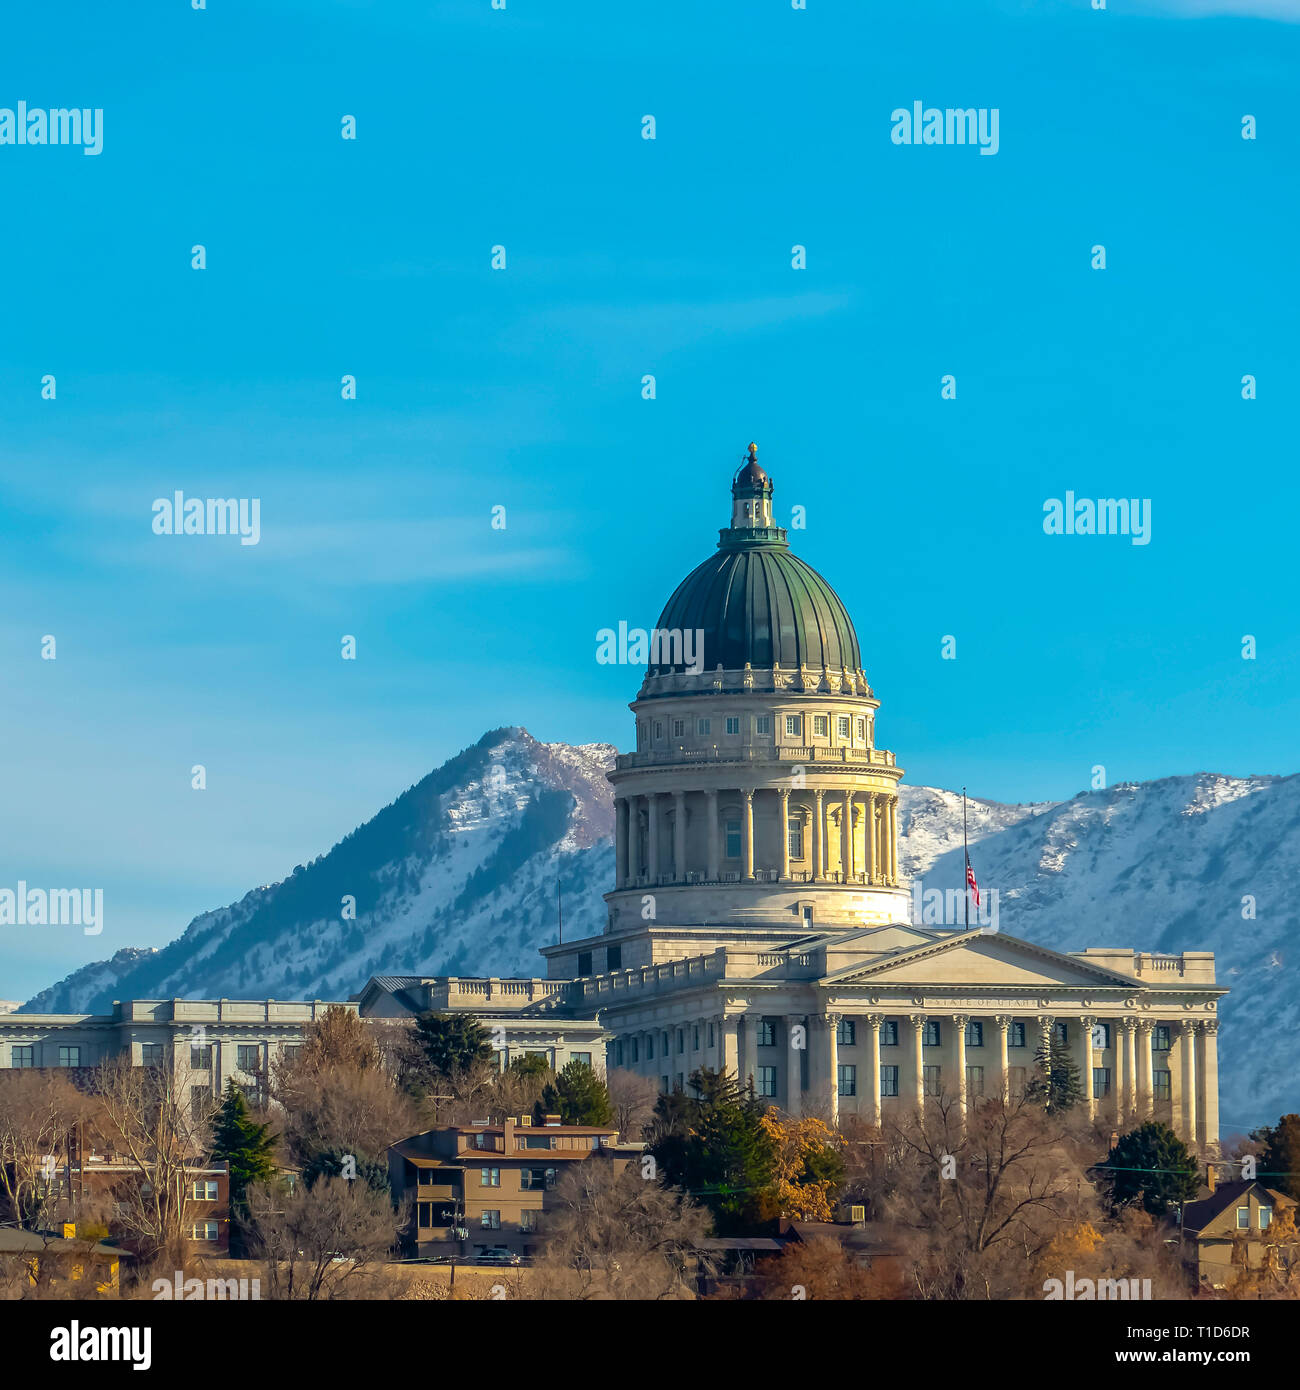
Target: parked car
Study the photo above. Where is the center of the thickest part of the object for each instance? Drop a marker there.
(498, 1255)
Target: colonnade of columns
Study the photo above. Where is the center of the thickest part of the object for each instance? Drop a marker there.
(872, 814)
(732, 1043)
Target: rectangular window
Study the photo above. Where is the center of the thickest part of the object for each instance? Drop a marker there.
(794, 726)
(695, 1038)
(69, 1056)
(733, 839)
(763, 724)
(1160, 1038)
(200, 1057)
(536, 1141)
(204, 1190)
(248, 1057)
(151, 1054)
(847, 1080)
(679, 1081)
(649, 1047)
(766, 1033)
(22, 1056)
(582, 1058)
(1100, 1083)
(846, 1032)
(1162, 1080)
(490, 1220)
(663, 1084)
(618, 1053)
(710, 1035)
(613, 958)
(933, 1036)
(489, 1177)
(1062, 1032)
(635, 1045)
(203, 1230)
(665, 1041)
(1016, 1080)
(1101, 1035)
(1265, 1218)
(480, 1141)
(889, 1033)
(681, 1041)
(975, 1033)
(536, 1179)
(862, 730)
(794, 835)
(584, 962)
(1243, 1218)
(679, 728)
(200, 1101)
(842, 725)
(528, 1219)
(733, 723)
(931, 1080)
(290, 1051)
(888, 1081)
(702, 726)
(659, 728)
(1016, 1035)
(821, 725)
(766, 1081)
(974, 1082)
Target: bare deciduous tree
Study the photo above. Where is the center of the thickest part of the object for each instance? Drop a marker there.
(326, 1242)
(618, 1235)
(633, 1097)
(38, 1112)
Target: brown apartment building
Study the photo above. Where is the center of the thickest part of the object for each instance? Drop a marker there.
(479, 1187)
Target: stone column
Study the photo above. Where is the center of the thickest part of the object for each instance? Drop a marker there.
(747, 870)
(846, 837)
(1003, 1022)
(620, 843)
(1130, 1066)
(794, 1058)
(1208, 1070)
(819, 837)
(714, 869)
(729, 1043)
(1146, 1090)
(1120, 1094)
(633, 840)
(872, 858)
(679, 837)
(891, 813)
(784, 796)
(959, 1022)
(873, 1022)
(752, 1022)
(833, 1052)
(652, 845)
(1086, 1023)
(1187, 1046)
(918, 1065)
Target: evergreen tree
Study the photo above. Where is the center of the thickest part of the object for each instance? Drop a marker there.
(577, 1095)
(1150, 1165)
(247, 1146)
(333, 1163)
(1057, 1086)
(712, 1142)
(1279, 1163)
(530, 1065)
(451, 1043)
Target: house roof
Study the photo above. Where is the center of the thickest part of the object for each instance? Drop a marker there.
(17, 1242)
(1200, 1214)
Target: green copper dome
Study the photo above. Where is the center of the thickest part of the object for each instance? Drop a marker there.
(757, 602)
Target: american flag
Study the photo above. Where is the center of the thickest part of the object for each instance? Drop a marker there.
(970, 881)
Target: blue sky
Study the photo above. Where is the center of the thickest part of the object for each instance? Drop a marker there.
(521, 388)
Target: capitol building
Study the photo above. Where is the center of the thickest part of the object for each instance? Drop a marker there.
(757, 923)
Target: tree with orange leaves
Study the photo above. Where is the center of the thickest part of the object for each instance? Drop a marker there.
(809, 1165)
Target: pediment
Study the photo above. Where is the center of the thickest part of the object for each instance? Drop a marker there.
(972, 958)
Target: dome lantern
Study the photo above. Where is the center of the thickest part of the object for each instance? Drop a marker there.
(751, 495)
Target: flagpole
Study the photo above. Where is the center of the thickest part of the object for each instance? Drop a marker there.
(965, 882)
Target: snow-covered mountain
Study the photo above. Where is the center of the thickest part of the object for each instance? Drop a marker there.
(458, 876)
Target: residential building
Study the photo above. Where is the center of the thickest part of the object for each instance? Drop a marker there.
(1234, 1230)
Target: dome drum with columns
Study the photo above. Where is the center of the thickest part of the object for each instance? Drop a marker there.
(756, 795)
